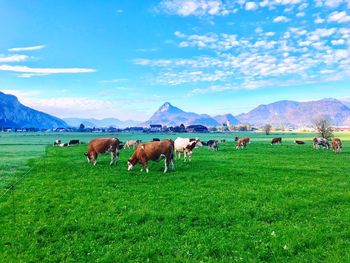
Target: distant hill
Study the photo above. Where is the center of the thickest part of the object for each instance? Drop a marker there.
(297, 114)
(226, 117)
(104, 123)
(346, 102)
(169, 115)
(13, 114)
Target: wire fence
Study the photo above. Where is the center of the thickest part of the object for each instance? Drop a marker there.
(10, 190)
(13, 185)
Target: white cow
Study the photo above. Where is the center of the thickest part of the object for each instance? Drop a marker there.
(185, 146)
(131, 144)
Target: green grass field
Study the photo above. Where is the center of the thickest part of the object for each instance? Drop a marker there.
(265, 203)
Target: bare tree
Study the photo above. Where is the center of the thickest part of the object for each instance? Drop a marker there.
(323, 128)
(267, 128)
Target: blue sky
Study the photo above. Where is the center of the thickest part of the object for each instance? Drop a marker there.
(124, 59)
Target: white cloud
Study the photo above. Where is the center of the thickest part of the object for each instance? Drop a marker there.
(25, 69)
(251, 6)
(338, 42)
(318, 20)
(29, 75)
(280, 19)
(183, 44)
(330, 3)
(270, 34)
(340, 17)
(17, 49)
(113, 81)
(327, 71)
(300, 14)
(13, 58)
(177, 78)
(305, 43)
(303, 6)
(193, 7)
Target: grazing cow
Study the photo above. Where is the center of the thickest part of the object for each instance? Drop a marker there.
(276, 140)
(213, 145)
(246, 139)
(63, 145)
(299, 142)
(241, 144)
(154, 151)
(73, 142)
(103, 146)
(188, 150)
(156, 140)
(131, 144)
(182, 143)
(337, 145)
(320, 142)
(57, 142)
(236, 138)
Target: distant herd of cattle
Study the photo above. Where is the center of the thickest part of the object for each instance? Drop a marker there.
(157, 149)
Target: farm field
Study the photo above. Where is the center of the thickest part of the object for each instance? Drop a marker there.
(265, 203)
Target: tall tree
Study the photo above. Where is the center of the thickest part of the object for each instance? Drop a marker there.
(267, 128)
(323, 128)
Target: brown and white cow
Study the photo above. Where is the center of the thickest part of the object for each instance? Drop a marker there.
(241, 144)
(337, 145)
(246, 140)
(276, 140)
(188, 150)
(182, 143)
(103, 146)
(153, 151)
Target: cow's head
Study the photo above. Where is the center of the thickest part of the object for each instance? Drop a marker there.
(87, 157)
(131, 164)
(198, 143)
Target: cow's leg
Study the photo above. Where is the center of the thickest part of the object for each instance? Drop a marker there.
(114, 158)
(93, 158)
(144, 166)
(166, 164)
(172, 164)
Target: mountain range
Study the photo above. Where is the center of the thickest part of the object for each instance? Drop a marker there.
(298, 114)
(107, 122)
(170, 115)
(285, 113)
(13, 114)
